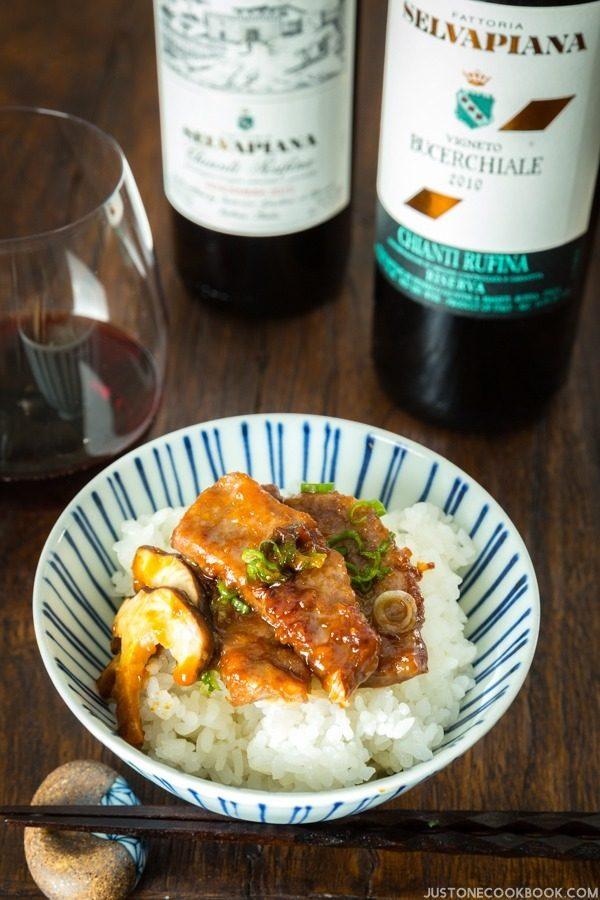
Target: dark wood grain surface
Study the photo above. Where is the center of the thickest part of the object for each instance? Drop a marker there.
(97, 60)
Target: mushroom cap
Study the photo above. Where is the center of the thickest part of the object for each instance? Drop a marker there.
(162, 617)
(154, 568)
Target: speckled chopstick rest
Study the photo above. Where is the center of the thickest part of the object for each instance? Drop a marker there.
(68, 865)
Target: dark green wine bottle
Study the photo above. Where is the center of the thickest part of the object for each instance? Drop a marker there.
(487, 169)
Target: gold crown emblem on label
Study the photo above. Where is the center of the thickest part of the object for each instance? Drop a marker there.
(477, 78)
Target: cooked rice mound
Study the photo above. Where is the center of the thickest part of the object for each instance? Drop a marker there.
(317, 745)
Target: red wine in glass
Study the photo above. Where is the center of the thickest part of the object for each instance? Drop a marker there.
(88, 387)
(82, 318)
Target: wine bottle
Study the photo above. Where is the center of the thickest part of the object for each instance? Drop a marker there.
(490, 135)
(256, 118)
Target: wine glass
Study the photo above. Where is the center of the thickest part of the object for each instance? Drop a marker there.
(82, 322)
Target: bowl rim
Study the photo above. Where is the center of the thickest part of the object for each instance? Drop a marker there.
(217, 791)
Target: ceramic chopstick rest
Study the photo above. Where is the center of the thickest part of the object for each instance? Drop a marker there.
(69, 865)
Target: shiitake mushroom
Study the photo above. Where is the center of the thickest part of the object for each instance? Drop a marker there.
(162, 617)
(153, 568)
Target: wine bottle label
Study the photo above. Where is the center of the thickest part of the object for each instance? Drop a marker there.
(256, 111)
(489, 149)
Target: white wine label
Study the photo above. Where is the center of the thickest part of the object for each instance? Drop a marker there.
(256, 111)
(489, 149)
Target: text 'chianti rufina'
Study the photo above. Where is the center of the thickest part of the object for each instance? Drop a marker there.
(256, 118)
(488, 159)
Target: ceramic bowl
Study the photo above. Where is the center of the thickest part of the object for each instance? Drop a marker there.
(73, 607)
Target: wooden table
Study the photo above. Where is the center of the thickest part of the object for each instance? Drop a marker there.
(97, 60)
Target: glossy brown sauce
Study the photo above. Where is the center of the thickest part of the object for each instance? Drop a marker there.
(401, 656)
(315, 612)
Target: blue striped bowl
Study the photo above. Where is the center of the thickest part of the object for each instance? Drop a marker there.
(73, 607)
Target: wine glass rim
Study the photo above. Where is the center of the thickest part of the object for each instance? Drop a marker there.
(79, 220)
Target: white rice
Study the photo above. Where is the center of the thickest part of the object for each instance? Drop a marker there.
(317, 745)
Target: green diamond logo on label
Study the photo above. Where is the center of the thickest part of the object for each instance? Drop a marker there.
(474, 108)
(245, 120)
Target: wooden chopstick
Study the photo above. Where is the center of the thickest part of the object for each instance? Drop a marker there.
(561, 835)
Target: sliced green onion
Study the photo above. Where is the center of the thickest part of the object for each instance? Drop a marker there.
(380, 550)
(226, 595)
(366, 577)
(209, 680)
(280, 554)
(259, 568)
(363, 578)
(274, 560)
(348, 535)
(312, 560)
(317, 487)
(241, 607)
(359, 509)
(288, 556)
